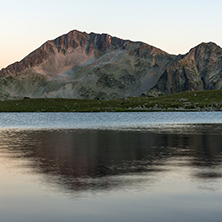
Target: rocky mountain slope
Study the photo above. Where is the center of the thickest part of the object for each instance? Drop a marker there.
(99, 66)
(81, 65)
(199, 69)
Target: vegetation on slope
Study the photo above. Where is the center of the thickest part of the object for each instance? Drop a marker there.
(210, 100)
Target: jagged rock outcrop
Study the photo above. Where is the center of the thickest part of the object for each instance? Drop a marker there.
(200, 69)
(81, 65)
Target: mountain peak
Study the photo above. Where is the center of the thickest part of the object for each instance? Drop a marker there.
(82, 65)
(199, 69)
(206, 46)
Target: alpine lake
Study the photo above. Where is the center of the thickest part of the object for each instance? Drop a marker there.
(108, 167)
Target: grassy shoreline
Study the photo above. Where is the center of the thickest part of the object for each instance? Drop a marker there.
(208, 100)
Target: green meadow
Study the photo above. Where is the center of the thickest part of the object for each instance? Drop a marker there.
(208, 100)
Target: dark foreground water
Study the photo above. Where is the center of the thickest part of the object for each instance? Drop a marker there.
(107, 167)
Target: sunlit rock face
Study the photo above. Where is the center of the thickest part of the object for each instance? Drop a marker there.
(99, 66)
(81, 65)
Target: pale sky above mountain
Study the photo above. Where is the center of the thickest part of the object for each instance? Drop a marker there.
(171, 25)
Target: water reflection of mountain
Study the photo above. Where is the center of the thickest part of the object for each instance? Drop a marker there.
(90, 159)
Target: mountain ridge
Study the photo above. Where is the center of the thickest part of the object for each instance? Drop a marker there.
(199, 69)
(64, 37)
(100, 66)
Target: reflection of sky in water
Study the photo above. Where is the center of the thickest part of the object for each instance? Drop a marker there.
(152, 174)
(106, 120)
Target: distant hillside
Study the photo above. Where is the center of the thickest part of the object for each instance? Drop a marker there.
(99, 66)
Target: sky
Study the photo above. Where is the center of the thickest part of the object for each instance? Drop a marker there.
(172, 25)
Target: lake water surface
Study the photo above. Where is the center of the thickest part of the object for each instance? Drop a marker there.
(107, 167)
